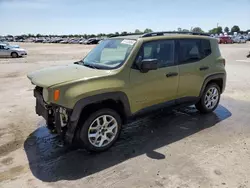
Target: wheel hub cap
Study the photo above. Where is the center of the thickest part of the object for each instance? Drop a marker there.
(211, 98)
(102, 130)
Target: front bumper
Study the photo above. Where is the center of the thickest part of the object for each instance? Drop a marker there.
(41, 106)
(22, 53)
(57, 117)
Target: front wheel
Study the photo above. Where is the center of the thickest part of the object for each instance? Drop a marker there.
(209, 99)
(14, 55)
(100, 130)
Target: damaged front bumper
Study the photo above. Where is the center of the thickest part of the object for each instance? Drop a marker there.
(57, 117)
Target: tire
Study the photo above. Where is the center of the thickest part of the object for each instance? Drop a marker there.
(202, 106)
(85, 141)
(14, 55)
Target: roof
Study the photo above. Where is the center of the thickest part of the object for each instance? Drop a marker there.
(164, 34)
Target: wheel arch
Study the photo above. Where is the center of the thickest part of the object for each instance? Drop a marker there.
(219, 79)
(117, 101)
(14, 52)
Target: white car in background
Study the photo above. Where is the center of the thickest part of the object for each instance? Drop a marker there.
(240, 39)
(9, 51)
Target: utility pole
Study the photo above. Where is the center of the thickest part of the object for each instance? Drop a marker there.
(217, 25)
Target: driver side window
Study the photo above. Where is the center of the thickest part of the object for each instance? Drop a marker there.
(162, 50)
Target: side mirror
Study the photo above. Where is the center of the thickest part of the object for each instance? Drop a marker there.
(148, 64)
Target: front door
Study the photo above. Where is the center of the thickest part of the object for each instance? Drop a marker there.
(156, 86)
(3, 51)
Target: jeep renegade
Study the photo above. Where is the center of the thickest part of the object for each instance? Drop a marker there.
(87, 102)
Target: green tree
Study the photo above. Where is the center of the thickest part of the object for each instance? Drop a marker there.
(213, 31)
(23, 36)
(137, 31)
(226, 29)
(92, 36)
(147, 30)
(99, 35)
(219, 30)
(197, 30)
(216, 30)
(110, 35)
(182, 30)
(124, 33)
(235, 28)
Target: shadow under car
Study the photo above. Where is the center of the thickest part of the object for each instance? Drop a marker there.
(51, 163)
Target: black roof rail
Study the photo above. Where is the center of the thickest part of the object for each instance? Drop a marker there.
(122, 35)
(172, 32)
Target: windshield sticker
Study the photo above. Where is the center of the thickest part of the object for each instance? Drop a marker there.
(129, 42)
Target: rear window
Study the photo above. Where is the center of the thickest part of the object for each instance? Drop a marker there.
(205, 48)
(189, 51)
(193, 50)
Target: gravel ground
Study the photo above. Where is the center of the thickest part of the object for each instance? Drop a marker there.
(176, 149)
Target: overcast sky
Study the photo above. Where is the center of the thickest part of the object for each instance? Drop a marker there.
(105, 16)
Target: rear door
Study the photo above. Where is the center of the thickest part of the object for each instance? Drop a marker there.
(193, 67)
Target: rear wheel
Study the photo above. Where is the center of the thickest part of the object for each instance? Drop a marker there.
(209, 99)
(100, 130)
(14, 55)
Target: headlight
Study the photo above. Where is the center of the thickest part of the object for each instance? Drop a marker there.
(45, 94)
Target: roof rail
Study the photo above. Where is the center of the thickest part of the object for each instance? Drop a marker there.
(172, 32)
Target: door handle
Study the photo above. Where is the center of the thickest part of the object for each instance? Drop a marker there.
(204, 68)
(171, 74)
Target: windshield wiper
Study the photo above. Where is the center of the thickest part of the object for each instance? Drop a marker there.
(89, 65)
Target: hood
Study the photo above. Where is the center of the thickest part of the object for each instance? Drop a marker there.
(48, 77)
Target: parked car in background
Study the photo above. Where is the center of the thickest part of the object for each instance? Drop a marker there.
(91, 41)
(240, 39)
(38, 40)
(225, 40)
(8, 51)
(73, 41)
(65, 41)
(82, 41)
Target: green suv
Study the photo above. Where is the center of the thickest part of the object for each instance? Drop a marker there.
(88, 101)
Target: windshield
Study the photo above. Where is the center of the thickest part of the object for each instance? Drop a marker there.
(109, 54)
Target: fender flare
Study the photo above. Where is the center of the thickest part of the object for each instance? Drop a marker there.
(82, 103)
(214, 77)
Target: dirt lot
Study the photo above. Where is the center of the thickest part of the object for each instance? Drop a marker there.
(168, 149)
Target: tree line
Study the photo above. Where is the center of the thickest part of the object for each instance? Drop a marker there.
(216, 30)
